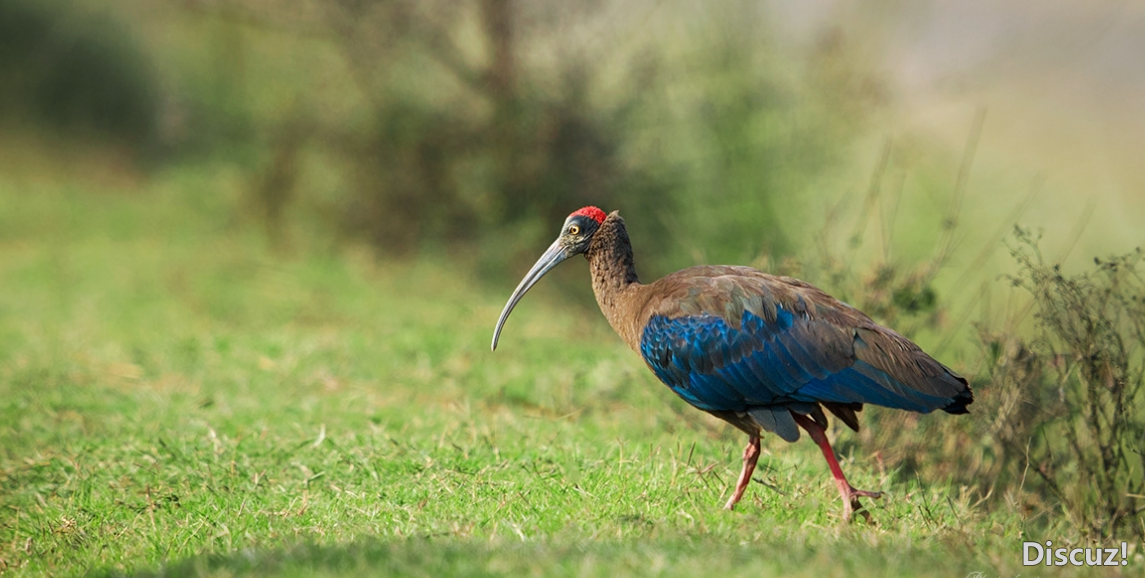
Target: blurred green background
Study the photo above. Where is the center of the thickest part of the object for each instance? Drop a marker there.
(282, 214)
(467, 130)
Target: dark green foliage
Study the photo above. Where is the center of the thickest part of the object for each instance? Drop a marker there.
(76, 70)
(471, 127)
(484, 151)
(412, 185)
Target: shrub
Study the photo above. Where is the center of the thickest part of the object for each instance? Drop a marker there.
(1058, 421)
(1078, 383)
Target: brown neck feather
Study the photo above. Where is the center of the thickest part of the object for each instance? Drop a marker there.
(614, 280)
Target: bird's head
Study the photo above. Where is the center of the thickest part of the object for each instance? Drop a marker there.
(576, 235)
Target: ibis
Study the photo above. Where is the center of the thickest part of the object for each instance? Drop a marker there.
(762, 352)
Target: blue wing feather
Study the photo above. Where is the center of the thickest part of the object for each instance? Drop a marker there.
(717, 367)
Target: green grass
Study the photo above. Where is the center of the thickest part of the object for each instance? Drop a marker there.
(177, 400)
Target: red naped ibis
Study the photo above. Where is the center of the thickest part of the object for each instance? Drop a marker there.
(762, 352)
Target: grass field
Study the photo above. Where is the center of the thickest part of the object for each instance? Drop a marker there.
(177, 400)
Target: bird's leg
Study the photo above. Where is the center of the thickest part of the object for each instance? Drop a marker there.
(750, 457)
(850, 495)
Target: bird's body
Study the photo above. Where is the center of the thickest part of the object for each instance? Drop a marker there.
(762, 352)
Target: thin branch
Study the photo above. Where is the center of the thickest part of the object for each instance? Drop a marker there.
(950, 224)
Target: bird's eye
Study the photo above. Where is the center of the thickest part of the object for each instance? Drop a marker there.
(574, 229)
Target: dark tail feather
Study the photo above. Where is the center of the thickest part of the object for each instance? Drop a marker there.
(817, 415)
(845, 412)
(963, 399)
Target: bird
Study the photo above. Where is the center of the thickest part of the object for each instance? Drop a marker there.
(765, 353)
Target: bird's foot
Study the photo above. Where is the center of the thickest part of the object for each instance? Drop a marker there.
(851, 502)
(750, 457)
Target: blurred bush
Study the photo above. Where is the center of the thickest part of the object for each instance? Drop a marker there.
(470, 127)
(73, 70)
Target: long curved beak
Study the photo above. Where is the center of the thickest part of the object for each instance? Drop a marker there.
(551, 258)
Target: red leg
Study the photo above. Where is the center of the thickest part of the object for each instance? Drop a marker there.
(750, 457)
(850, 495)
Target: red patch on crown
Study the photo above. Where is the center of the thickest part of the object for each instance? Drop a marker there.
(592, 213)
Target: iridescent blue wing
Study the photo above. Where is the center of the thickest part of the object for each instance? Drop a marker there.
(758, 342)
